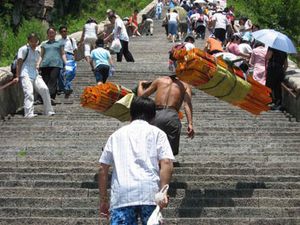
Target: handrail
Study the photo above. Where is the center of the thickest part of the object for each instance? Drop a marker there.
(8, 83)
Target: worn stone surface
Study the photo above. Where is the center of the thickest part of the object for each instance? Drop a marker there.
(238, 170)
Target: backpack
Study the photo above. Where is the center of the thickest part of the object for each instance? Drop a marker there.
(13, 65)
(174, 51)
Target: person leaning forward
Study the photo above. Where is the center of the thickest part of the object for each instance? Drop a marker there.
(142, 164)
(171, 93)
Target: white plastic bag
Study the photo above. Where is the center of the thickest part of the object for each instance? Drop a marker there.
(112, 71)
(116, 45)
(156, 217)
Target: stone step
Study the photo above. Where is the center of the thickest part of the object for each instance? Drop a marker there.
(206, 152)
(175, 202)
(250, 190)
(167, 221)
(286, 171)
(204, 164)
(181, 157)
(77, 177)
(205, 131)
(177, 183)
(205, 212)
(251, 150)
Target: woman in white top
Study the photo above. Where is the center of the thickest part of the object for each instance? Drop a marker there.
(173, 21)
(89, 37)
(28, 58)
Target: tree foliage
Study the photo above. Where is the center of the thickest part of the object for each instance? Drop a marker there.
(66, 12)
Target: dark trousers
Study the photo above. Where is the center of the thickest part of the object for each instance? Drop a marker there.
(275, 75)
(220, 34)
(200, 30)
(50, 76)
(124, 51)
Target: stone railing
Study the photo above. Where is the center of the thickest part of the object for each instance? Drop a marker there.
(291, 91)
(11, 95)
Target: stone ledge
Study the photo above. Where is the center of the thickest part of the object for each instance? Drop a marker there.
(291, 91)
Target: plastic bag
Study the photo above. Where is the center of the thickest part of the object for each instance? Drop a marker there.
(156, 217)
(112, 71)
(116, 45)
(70, 69)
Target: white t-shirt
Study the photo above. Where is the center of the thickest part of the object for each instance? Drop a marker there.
(159, 7)
(197, 17)
(189, 46)
(29, 65)
(90, 31)
(245, 48)
(221, 20)
(123, 32)
(70, 46)
(134, 152)
(173, 17)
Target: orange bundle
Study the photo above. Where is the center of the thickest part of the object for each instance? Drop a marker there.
(219, 79)
(102, 97)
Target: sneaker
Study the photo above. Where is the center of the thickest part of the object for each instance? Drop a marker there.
(67, 96)
(50, 114)
(59, 92)
(68, 92)
(30, 116)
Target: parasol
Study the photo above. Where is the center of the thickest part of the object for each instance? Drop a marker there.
(275, 39)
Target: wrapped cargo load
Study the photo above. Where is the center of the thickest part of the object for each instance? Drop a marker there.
(225, 81)
(109, 99)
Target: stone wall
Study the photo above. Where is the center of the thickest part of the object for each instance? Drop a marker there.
(40, 9)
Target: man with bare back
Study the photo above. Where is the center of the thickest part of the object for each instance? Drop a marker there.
(171, 93)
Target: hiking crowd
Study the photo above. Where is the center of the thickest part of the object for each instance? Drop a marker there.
(229, 38)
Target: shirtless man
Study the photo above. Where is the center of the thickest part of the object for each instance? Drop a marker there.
(171, 93)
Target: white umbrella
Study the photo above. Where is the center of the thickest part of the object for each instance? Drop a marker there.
(275, 39)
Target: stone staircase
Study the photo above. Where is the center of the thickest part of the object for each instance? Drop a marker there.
(238, 170)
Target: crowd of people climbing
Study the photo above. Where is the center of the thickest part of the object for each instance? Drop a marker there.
(51, 70)
(227, 37)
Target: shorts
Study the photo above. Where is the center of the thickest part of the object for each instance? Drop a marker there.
(101, 73)
(168, 121)
(172, 28)
(129, 215)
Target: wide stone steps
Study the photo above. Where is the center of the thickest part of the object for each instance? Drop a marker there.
(239, 169)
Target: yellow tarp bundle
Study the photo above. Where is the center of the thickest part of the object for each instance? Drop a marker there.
(109, 99)
(226, 86)
(217, 78)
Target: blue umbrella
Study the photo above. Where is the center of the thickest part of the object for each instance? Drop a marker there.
(275, 39)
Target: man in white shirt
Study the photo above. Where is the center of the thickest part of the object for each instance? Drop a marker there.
(120, 32)
(68, 74)
(142, 162)
(27, 72)
(220, 22)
